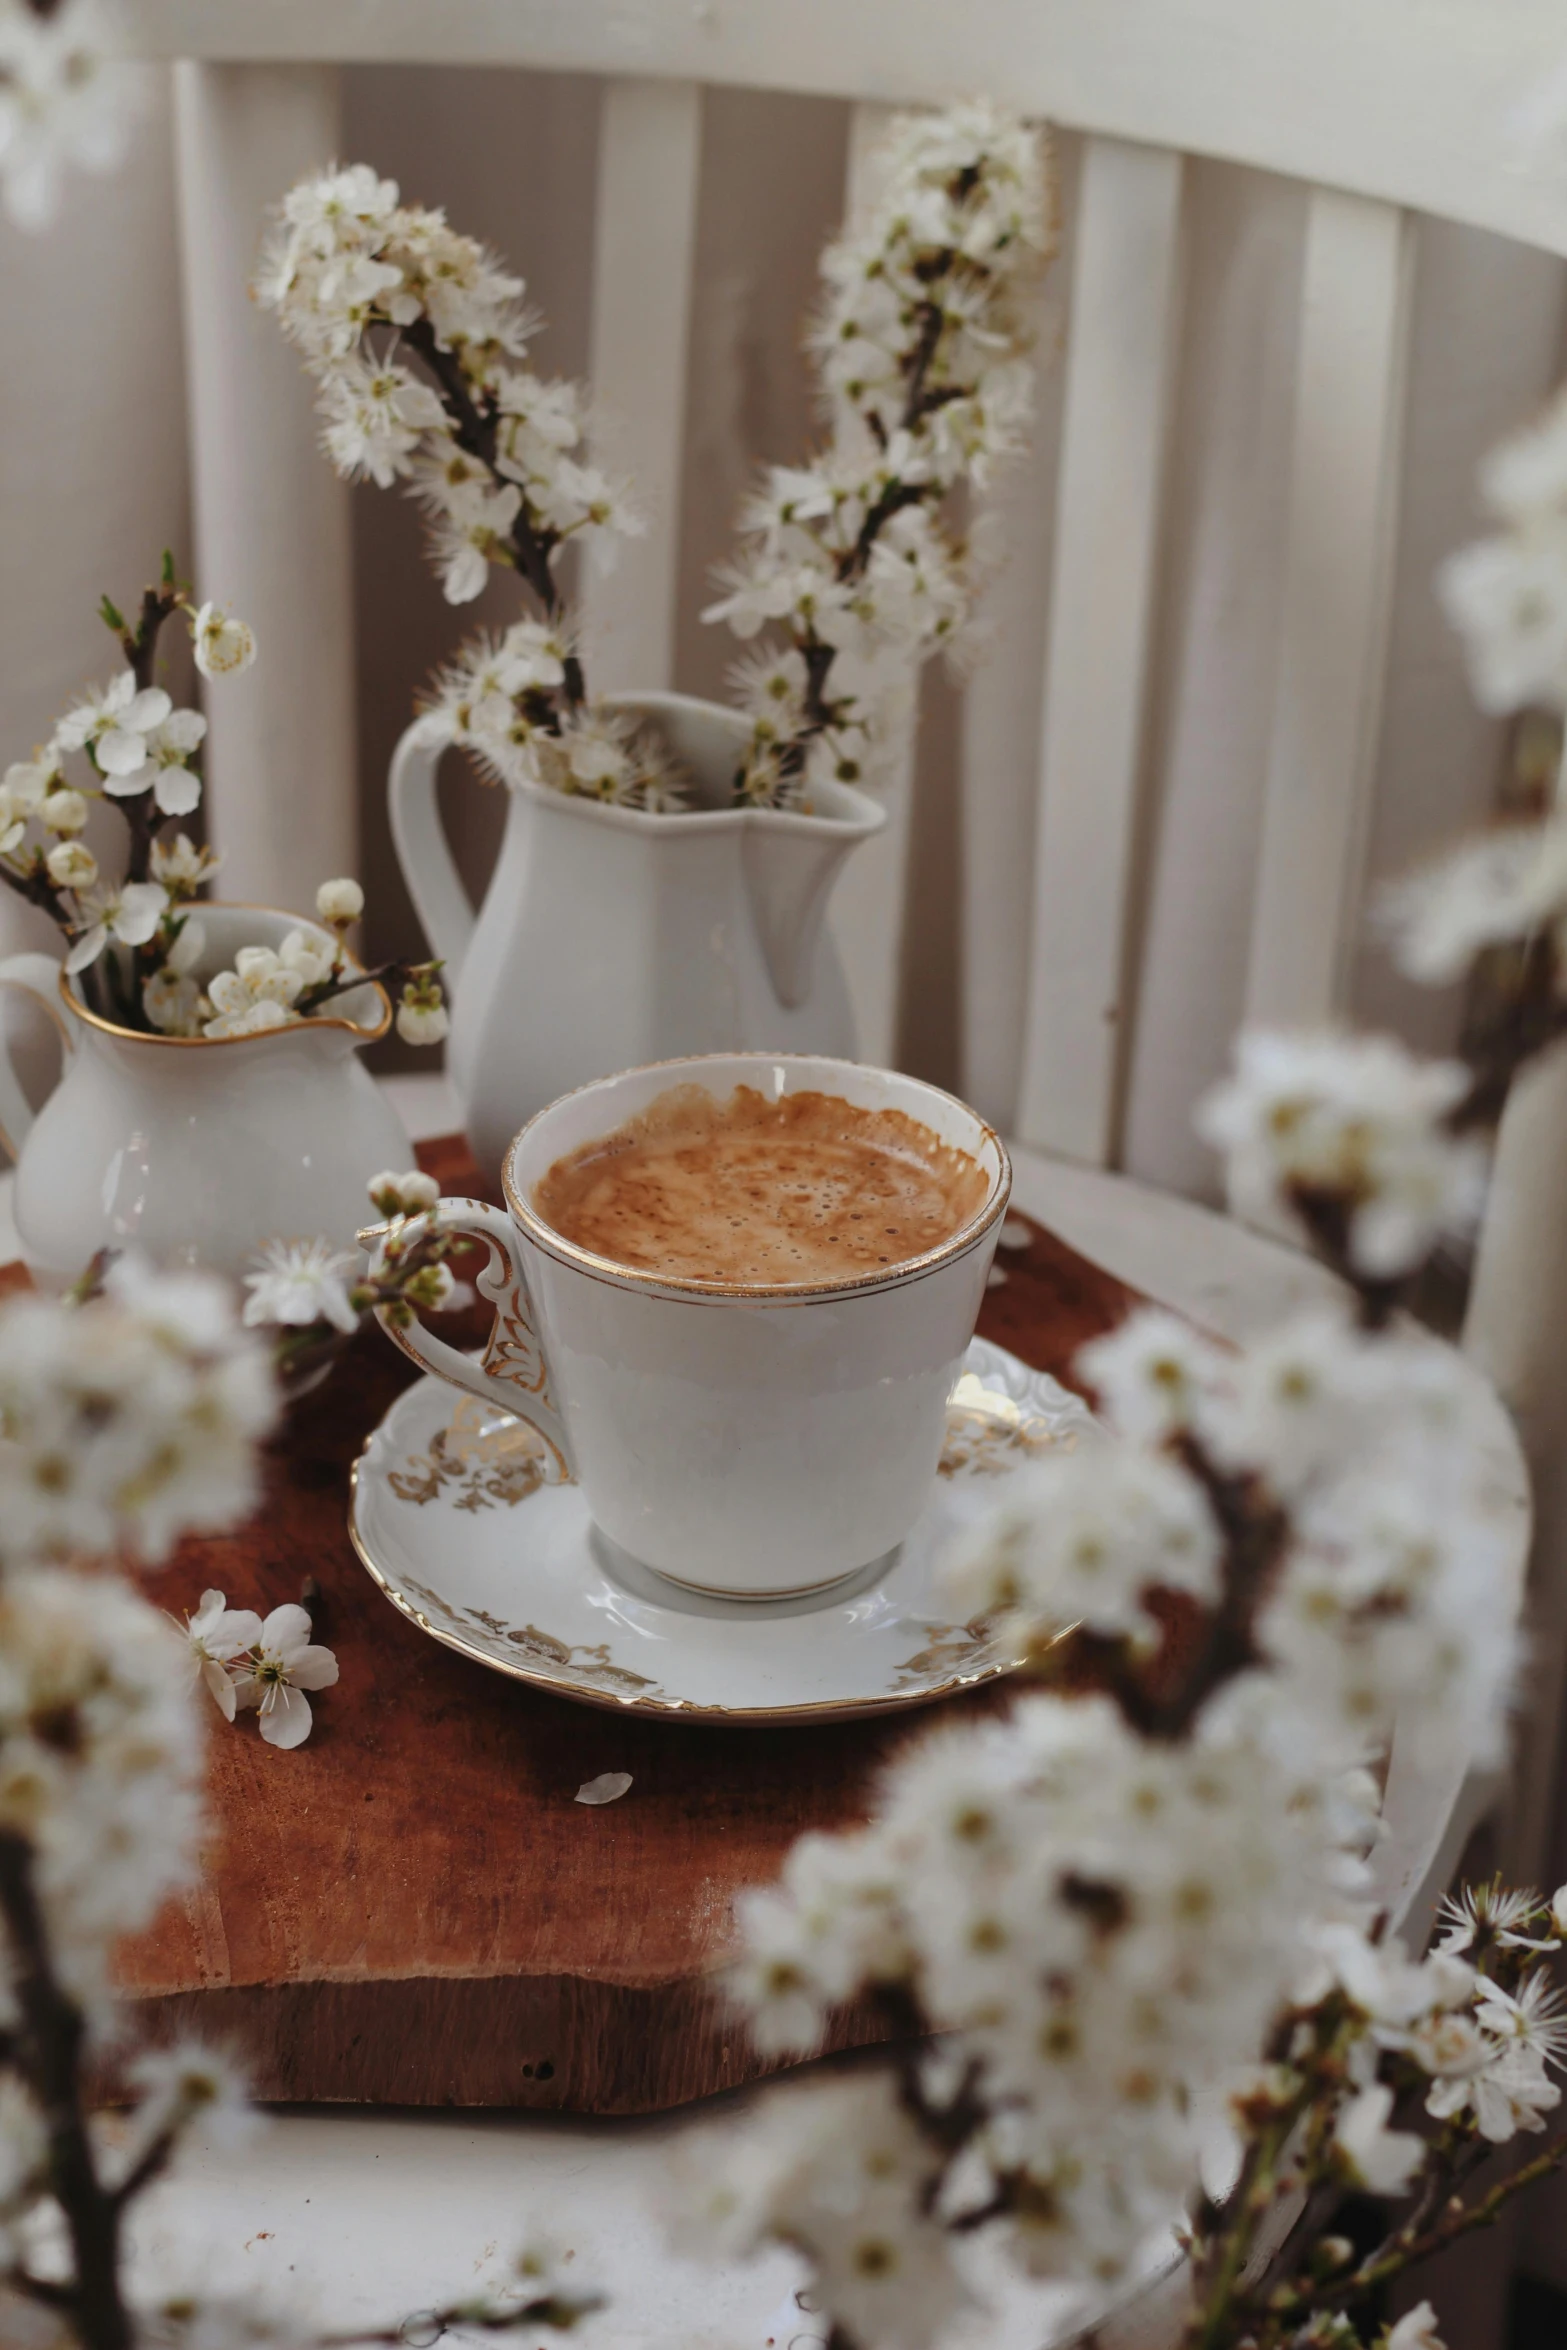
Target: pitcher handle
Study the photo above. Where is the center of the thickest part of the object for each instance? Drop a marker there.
(429, 868)
(38, 976)
(512, 1372)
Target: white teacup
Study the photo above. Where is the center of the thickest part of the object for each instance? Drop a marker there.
(744, 1441)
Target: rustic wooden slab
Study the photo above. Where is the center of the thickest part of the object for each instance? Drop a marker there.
(411, 1908)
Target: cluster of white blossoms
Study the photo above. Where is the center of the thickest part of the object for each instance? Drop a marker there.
(131, 746)
(64, 105)
(500, 701)
(100, 1761)
(127, 1421)
(1504, 887)
(416, 337)
(920, 347)
(1100, 1903)
(246, 1662)
(314, 1295)
(1507, 594)
(362, 285)
(1345, 1139)
(1101, 1928)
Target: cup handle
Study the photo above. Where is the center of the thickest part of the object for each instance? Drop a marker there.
(512, 1372)
(39, 977)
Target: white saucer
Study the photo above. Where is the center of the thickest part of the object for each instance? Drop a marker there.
(451, 1515)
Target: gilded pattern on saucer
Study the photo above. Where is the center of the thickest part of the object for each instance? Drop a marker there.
(537, 1593)
(478, 1461)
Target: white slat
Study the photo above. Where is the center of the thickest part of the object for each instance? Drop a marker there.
(868, 904)
(999, 743)
(1120, 360)
(650, 139)
(271, 532)
(1354, 334)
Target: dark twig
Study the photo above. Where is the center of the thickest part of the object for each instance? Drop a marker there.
(50, 2042)
(476, 427)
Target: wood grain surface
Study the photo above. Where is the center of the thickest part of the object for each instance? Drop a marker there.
(412, 1908)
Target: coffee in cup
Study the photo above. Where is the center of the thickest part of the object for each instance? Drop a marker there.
(761, 1191)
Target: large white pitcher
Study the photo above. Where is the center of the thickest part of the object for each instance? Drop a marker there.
(608, 938)
(197, 1150)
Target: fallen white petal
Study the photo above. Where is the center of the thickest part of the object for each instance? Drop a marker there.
(608, 1787)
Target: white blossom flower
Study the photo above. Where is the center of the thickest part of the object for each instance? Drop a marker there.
(1152, 1372)
(256, 995)
(422, 1024)
(174, 1003)
(1083, 1538)
(28, 782)
(1353, 1125)
(1511, 2093)
(830, 1924)
(301, 1281)
(187, 944)
(22, 797)
(340, 903)
(1487, 1915)
(63, 104)
(1507, 598)
(216, 1635)
(285, 1663)
(113, 725)
(840, 2173)
(100, 1758)
(190, 2082)
(130, 914)
(1383, 2161)
(70, 864)
(165, 769)
(256, 1017)
(1415, 2330)
(181, 866)
(224, 645)
(1505, 884)
(312, 959)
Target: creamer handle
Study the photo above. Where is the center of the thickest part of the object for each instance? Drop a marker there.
(39, 977)
(512, 1373)
(429, 869)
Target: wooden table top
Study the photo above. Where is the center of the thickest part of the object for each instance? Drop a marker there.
(412, 1908)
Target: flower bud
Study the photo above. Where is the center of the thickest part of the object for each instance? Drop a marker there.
(224, 645)
(63, 812)
(340, 902)
(70, 865)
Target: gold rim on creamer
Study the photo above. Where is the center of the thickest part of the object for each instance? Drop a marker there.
(817, 1709)
(91, 1019)
(609, 1269)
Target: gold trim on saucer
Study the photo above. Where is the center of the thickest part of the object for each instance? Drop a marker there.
(539, 1651)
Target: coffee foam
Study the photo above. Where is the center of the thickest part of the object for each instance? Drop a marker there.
(761, 1193)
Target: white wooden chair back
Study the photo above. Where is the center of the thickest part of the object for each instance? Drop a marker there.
(1384, 111)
